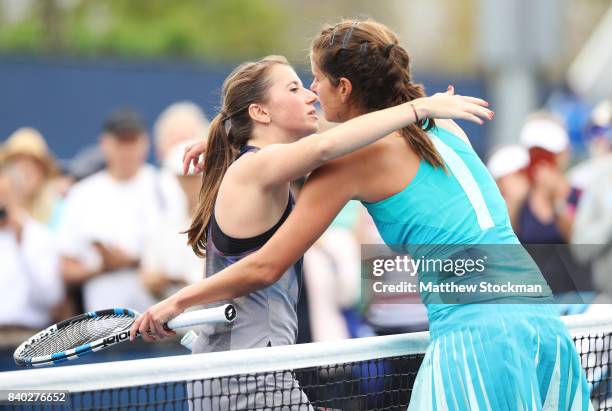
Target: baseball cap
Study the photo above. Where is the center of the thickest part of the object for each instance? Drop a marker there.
(600, 122)
(123, 122)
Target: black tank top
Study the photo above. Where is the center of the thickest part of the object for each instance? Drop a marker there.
(265, 317)
(231, 245)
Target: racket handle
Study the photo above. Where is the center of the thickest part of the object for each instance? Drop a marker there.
(224, 313)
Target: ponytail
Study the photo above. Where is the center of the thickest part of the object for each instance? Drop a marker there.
(218, 157)
(404, 90)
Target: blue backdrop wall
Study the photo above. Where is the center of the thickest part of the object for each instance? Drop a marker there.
(68, 99)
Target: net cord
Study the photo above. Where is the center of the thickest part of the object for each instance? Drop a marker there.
(100, 376)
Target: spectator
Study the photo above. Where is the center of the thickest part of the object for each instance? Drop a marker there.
(599, 129)
(179, 122)
(86, 161)
(592, 234)
(574, 111)
(598, 136)
(168, 262)
(106, 219)
(546, 215)
(332, 275)
(27, 150)
(89, 160)
(507, 166)
(29, 276)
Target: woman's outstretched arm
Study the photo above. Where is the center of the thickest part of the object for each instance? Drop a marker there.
(279, 163)
(326, 192)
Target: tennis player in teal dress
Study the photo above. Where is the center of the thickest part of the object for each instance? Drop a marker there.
(426, 190)
(488, 354)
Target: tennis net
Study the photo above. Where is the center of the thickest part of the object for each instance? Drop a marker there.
(365, 374)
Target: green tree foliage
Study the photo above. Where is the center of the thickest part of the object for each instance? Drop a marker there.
(211, 29)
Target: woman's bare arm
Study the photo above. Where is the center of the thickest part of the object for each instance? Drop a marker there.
(326, 192)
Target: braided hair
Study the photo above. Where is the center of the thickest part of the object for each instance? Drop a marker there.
(368, 54)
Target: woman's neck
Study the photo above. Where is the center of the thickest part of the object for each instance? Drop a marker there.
(352, 112)
(262, 137)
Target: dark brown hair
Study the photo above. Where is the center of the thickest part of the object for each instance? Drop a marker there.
(367, 53)
(229, 131)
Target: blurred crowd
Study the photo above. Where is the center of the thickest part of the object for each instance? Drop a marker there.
(99, 231)
(551, 203)
(105, 228)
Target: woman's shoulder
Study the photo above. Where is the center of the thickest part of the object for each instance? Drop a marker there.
(241, 180)
(450, 127)
(242, 167)
(356, 166)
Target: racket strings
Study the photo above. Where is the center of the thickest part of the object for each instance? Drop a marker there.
(79, 333)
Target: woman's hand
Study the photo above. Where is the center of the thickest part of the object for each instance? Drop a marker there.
(453, 106)
(192, 156)
(151, 323)
(514, 188)
(552, 181)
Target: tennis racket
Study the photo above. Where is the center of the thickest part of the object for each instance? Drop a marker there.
(96, 330)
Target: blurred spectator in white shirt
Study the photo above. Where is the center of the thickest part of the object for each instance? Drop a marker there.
(168, 262)
(592, 233)
(30, 283)
(179, 122)
(107, 218)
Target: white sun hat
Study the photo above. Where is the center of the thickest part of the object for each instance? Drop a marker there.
(546, 133)
(507, 160)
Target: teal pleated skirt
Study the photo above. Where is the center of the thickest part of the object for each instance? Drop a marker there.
(500, 357)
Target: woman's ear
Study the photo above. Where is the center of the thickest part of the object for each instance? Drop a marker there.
(345, 88)
(259, 114)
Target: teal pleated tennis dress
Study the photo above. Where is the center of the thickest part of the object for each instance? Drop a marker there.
(504, 351)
